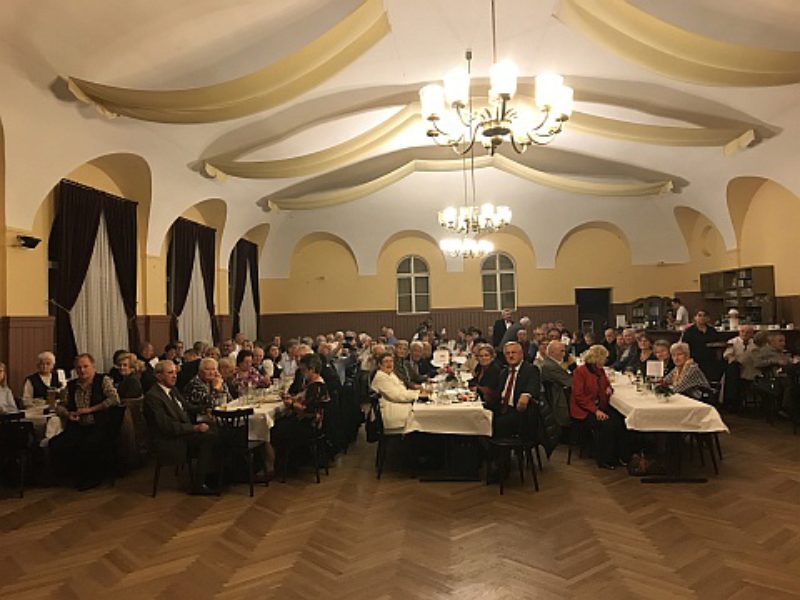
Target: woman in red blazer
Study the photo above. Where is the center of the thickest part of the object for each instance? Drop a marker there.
(589, 402)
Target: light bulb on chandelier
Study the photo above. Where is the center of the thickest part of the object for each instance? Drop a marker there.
(485, 218)
(453, 122)
(466, 247)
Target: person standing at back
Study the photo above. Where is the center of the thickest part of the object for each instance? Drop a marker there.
(499, 328)
(681, 315)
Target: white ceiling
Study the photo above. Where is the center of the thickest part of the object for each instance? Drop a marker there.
(190, 43)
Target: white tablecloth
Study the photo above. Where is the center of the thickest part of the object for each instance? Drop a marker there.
(45, 426)
(644, 411)
(262, 419)
(465, 418)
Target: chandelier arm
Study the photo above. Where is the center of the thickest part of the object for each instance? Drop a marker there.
(544, 120)
(519, 148)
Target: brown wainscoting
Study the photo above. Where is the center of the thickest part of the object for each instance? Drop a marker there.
(295, 325)
(225, 325)
(154, 329)
(23, 338)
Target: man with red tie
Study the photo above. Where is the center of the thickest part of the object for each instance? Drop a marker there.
(520, 383)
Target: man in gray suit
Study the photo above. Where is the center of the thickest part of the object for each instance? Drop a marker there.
(166, 409)
(559, 380)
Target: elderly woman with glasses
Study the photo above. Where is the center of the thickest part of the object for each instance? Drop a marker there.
(45, 378)
(686, 378)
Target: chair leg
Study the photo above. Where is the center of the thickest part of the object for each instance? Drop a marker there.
(22, 460)
(155, 478)
(539, 458)
(535, 477)
(315, 455)
(521, 463)
(285, 465)
(717, 444)
(381, 456)
(709, 442)
(569, 453)
(250, 471)
(505, 463)
(699, 449)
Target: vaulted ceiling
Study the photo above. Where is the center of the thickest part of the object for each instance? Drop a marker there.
(302, 114)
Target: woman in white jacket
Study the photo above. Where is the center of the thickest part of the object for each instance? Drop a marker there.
(396, 399)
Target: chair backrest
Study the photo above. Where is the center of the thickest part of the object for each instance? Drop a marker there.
(16, 436)
(233, 425)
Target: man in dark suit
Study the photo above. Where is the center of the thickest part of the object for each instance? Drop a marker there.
(512, 334)
(166, 408)
(190, 368)
(500, 326)
(520, 383)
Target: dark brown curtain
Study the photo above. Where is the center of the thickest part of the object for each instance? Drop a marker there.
(207, 244)
(243, 259)
(71, 246)
(72, 239)
(121, 223)
(186, 237)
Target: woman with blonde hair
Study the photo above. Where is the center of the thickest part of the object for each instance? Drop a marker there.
(590, 404)
(46, 377)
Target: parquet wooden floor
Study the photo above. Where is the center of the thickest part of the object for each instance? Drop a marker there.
(588, 534)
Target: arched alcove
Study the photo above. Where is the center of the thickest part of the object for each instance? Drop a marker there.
(739, 195)
(592, 232)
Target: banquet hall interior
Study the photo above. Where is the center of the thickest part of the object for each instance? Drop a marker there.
(398, 299)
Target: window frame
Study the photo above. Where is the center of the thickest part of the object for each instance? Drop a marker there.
(412, 276)
(498, 272)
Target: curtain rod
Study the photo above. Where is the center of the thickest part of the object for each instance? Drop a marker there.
(93, 189)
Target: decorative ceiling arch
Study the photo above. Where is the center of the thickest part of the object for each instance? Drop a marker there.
(644, 39)
(687, 218)
(603, 225)
(334, 196)
(321, 236)
(739, 194)
(268, 87)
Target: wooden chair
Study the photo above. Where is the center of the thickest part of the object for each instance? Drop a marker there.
(579, 433)
(505, 447)
(384, 436)
(234, 428)
(167, 452)
(16, 439)
(317, 447)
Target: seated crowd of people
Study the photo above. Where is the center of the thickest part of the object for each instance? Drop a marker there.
(521, 373)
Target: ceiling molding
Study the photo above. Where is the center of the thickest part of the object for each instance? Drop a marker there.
(266, 88)
(342, 195)
(677, 53)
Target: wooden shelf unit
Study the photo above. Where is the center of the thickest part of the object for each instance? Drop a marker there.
(750, 290)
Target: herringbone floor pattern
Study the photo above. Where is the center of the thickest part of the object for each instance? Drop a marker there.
(588, 534)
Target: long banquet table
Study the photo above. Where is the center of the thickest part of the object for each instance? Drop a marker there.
(461, 418)
(263, 418)
(644, 411)
(673, 416)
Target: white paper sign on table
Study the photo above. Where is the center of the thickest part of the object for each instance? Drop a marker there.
(655, 368)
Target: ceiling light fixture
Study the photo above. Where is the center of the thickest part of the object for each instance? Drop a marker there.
(471, 220)
(460, 127)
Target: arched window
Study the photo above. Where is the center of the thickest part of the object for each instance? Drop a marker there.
(413, 295)
(498, 282)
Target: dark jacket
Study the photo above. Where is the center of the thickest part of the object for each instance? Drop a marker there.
(487, 382)
(167, 423)
(498, 331)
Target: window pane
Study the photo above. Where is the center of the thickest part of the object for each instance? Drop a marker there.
(490, 302)
(403, 285)
(419, 265)
(421, 285)
(489, 263)
(489, 283)
(507, 299)
(404, 304)
(423, 303)
(507, 282)
(404, 266)
(505, 262)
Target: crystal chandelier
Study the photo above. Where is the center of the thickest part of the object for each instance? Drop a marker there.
(453, 122)
(474, 219)
(470, 221)
(466, 247)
